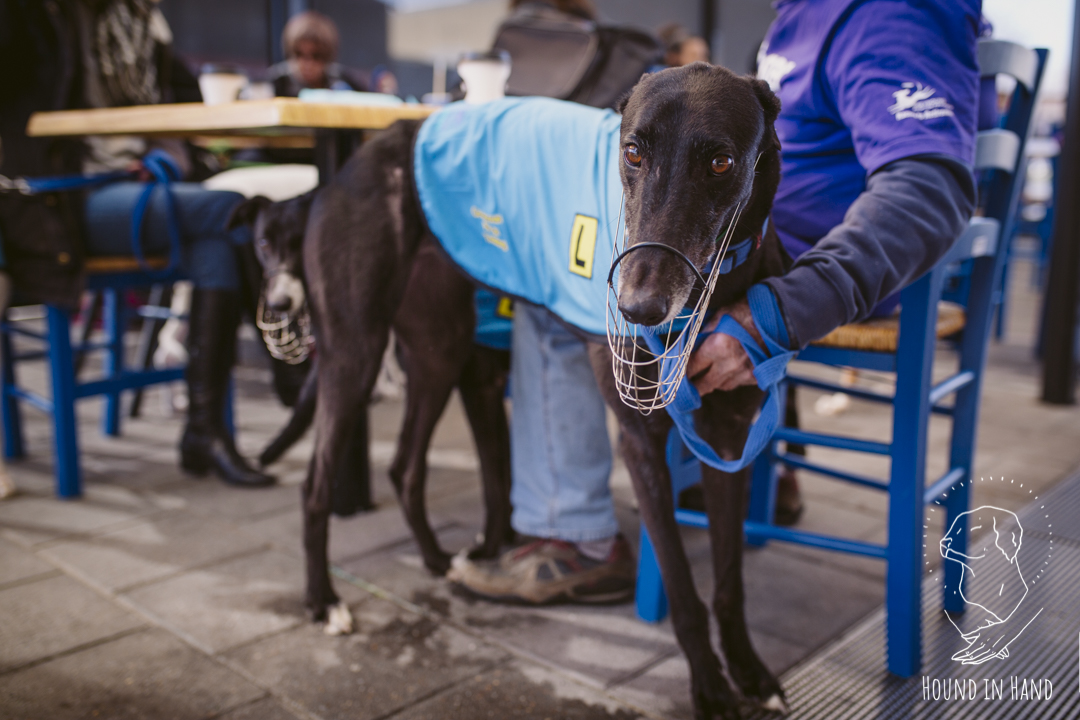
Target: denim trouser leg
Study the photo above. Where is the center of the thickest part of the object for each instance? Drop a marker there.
(208, 255)
(561, 455)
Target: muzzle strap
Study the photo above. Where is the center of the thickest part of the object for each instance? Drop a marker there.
(770, 367)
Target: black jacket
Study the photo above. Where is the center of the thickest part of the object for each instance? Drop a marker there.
(42, 70)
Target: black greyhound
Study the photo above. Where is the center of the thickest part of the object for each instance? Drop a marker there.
(367, 242)
(278, 232)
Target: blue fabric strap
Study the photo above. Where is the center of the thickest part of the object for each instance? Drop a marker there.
(64, 183)
(164, 170)
(770, 367)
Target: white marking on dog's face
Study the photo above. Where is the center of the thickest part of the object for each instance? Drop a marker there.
(284, 292)
(339, 621)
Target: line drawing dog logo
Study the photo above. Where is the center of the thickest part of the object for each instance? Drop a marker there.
(999, 617)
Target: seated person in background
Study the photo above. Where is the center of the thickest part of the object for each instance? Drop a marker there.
(310, 44)
(64, 55)
(680, 47)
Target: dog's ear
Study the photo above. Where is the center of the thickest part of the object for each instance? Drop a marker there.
(620, 104)
(246, 212)
(770, 104)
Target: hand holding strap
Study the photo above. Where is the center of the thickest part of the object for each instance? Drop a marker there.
(770, 367)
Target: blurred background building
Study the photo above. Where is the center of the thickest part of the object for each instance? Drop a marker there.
(411, 36)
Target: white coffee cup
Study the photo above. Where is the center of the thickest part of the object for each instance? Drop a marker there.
(220, 85)
(484, 75)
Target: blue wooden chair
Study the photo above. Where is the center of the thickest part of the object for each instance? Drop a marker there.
(904, 347)
(112, 277)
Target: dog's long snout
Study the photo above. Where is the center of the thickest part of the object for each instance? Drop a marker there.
(643, 308)
(284, 292)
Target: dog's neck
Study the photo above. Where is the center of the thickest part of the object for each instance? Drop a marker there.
(766, 181)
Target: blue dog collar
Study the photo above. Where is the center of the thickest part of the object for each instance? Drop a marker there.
(738, 253)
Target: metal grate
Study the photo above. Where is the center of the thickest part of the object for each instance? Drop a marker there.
(848, 679)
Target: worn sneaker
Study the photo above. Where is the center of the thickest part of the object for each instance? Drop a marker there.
(547, 571)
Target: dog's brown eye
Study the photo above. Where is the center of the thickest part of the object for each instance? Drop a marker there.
(632, 155)
(721, 164)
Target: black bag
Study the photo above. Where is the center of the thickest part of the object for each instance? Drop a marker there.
(557, 55)
(41, 250)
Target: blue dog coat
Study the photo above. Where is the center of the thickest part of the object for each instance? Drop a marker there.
(524, 196)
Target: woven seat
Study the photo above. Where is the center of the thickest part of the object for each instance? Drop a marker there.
(122, 264)
(881, 334)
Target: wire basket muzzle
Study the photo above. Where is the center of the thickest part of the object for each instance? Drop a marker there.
(649, 363)
(288, 336)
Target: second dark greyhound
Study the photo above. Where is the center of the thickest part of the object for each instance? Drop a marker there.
(696, 144)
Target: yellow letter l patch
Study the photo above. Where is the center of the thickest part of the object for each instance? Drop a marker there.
(583, 245)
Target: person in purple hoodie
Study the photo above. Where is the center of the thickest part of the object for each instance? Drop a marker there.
(878, 124)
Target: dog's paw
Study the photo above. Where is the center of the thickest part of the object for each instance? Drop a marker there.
(458, 563)
(339, 621)
(775, 704)
(438, 564)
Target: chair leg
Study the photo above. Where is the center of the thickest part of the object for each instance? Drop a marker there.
(764, 478)
(12, 414)
(762, 494)
(649, 598)
(911, 414)
(114, 358)
(65, 436)
(144, 354)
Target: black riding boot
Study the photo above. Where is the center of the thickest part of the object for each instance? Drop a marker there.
(207, 445)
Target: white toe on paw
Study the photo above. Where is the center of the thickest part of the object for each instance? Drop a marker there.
(339, 621)
(775, 704)
(457, 563)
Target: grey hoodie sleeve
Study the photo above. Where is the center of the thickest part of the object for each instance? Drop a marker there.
(909, 215)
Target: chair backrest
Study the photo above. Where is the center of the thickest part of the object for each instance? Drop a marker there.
(1002, 185)
(999, 161)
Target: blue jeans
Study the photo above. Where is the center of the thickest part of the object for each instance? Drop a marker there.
(208, 256)
(560, 452)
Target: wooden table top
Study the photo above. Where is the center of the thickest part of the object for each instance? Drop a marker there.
(246, 117)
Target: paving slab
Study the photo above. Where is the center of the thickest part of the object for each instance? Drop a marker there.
(663, 689)
(234, 602)
(212, 497)
(31, 521)
(265, 709)
(18, 565)
(521, 691)
(148, 675)
(782, 593)
(53, 615)
(148, 551)
(599, 644)
(394, 659)
(349, 537)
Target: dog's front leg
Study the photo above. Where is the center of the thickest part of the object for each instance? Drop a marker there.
(642, 442)
(345, 382)
(724, 423)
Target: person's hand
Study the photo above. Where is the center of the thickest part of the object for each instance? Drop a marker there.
(141, 173)
(720, 363)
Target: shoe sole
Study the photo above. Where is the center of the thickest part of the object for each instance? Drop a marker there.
(560, 597)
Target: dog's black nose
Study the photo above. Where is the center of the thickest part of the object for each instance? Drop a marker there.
(644, 311)
(279, 303)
